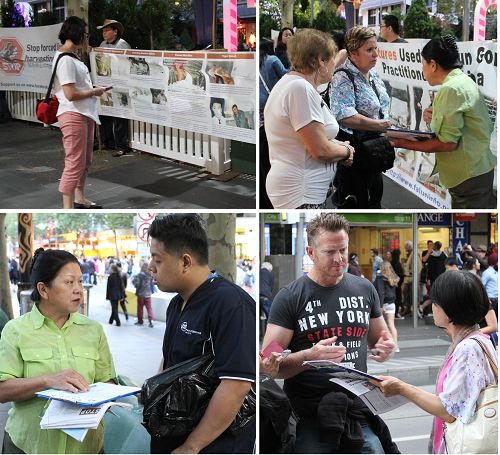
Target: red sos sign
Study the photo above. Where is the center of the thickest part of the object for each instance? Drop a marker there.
(11, 56)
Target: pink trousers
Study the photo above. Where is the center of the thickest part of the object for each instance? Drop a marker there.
(78, 142)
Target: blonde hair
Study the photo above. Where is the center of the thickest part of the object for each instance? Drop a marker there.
(307, 46)
(387, 271)
(330, 222)
(356, 37)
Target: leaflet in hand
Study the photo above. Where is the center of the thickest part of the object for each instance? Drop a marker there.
(371, 395)
(67, 416)
(340, 370)
(98, 394)
(411, 135)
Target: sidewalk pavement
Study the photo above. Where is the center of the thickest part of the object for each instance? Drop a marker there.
(31, 163)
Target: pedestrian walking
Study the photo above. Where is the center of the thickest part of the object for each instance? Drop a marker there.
(114, 130)
(115, 292)
(459, 117)
(77, 113)
(142, 283)
(353, 266)
(386, 284)
(459, 302)
(52, 346)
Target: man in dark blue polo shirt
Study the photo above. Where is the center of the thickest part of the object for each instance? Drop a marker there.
(209, 313)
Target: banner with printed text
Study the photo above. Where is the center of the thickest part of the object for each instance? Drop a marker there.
(400, 67)
(26, 56)
(209, 93)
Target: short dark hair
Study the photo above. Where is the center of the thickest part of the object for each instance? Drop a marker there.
(462, 297)
(374, 251)
(182, 233)
(73, 28)
(444, 51)
(45, 266)
(234, 105)
(437, 245)
(330, 222)
(220, 101)
(451, 261)
(391, 21)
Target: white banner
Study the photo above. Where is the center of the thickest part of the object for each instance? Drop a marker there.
(209, 93)
(26, 56)
(400, 66)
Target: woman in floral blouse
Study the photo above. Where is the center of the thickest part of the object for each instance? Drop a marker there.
(459, 302)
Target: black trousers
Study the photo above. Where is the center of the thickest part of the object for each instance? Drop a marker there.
(367, 188)
(114, 132)
(114, 313)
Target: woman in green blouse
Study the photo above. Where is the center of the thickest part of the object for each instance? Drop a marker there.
(53, 346)
(459, 117)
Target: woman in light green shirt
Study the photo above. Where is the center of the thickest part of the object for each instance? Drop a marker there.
(459, 117)
(53, 346)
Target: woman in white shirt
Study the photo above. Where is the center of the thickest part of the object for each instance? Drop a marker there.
(300, 127)
(77, 113)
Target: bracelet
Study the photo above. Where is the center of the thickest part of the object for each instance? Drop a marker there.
(348, 152)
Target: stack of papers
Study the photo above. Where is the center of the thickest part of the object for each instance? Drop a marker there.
(76, 413)
(99, 393)
(357, 382)
(411, 135)
(73, 419)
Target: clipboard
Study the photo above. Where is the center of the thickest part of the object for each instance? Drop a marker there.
(411, 135)
(98, 394)
(340, 370)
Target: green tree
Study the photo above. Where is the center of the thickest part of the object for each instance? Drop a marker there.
(154, 18)
(269, 17)
(10, 15)
(45, 18)
(491, 24)
(328, 20)
(417, 22)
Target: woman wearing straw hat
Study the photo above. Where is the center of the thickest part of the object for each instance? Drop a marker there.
(114, 130)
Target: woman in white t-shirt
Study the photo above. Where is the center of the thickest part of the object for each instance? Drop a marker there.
(300, 127)
(77, 113)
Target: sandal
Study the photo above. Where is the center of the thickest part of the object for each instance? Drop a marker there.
(90, 205)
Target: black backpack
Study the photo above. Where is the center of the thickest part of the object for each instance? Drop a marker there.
(278, 421)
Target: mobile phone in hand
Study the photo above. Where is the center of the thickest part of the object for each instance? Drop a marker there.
(108, 88)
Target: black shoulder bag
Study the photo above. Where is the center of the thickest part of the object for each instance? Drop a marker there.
(373, 151)
(176, 399)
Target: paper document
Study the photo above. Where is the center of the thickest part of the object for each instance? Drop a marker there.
(74, 419)
(340, 370)
(371, 395)
(77, 433)
(99, 393)
(411, 135)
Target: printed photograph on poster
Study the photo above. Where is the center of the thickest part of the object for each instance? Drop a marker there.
(242, 112)
(217, 111)
(185, 75)
(399, 107)
(139, 66)
(103, 65)
(141, 97)
(106, 99)
(425, 177)
(158, 96)
(121, 98)
(220, 72)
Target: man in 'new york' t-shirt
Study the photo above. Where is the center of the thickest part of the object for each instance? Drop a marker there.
(327, 314)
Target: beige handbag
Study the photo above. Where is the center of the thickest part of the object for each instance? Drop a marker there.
(480, 435)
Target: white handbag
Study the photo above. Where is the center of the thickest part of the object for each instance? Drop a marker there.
(480, 435)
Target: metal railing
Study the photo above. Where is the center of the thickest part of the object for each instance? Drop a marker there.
(210, 152)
